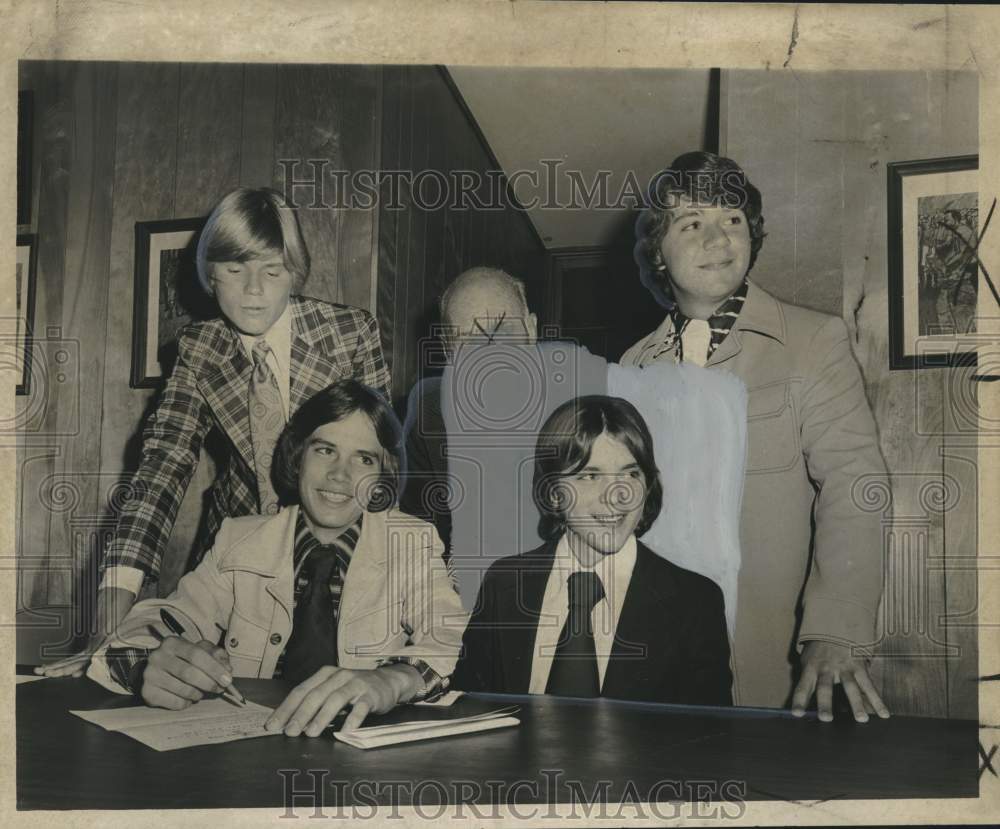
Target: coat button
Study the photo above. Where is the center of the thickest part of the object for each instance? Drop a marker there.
(275, 638)
(234, 642)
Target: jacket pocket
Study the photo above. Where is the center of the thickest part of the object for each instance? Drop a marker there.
(245, 643)
(772, 434)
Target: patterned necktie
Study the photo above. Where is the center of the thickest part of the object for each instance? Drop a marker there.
(313, 642)
(574, 667)
(267, 419)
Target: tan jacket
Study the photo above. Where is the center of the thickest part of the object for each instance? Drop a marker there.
(398, 598)
(811, 447)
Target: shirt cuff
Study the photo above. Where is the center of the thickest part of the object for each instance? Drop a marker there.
(126, 666)
(123, 578)
(434, 685)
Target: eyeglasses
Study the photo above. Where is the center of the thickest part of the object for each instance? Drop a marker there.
(486, 330)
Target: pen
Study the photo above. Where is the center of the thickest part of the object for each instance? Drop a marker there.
(231, 693)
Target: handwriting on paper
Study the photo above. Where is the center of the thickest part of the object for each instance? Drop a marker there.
(205, 723)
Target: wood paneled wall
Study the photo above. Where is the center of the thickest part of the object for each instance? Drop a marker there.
(119, 143)
(115, 144)
(330, 113)
(597, 299)
(425, 126)
(816, 144)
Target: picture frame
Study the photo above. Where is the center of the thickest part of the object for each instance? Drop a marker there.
(933, 233)
(24, 292)
(167, 295)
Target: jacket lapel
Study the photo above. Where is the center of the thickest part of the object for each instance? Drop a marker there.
(223, 369)
(728, 348)
(761, 314)
(282, 588)
(519, 605)
(310, 354)
(366, 574)
(642, 636)
(272, 545)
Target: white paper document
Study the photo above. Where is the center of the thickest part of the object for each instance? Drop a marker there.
(204, 723)
(377, 736)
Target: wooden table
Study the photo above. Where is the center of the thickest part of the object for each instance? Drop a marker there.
(599, 749)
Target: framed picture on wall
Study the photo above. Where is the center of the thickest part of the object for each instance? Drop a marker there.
(167, 295)
(24, 301)
(933, 227)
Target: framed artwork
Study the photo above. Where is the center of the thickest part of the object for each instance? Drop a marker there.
(933, 232)
(167, 295)
(24, 118)
(24, 292)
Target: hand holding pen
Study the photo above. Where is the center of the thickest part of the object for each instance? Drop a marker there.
(181, 672)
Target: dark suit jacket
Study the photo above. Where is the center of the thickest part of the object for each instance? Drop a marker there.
(426, 486)
(670, 646)
(208, 389)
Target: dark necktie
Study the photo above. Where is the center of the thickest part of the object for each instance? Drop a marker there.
(313, 642)
(267, 419)
(574, 667)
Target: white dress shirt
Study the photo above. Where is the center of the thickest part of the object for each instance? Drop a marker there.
(279, 337)
(695, 339)
(615, 573)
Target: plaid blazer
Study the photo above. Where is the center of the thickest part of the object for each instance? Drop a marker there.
(208, 389)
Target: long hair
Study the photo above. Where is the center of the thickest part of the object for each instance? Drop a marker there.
(335, 402)
(248, 224)
(564, 445)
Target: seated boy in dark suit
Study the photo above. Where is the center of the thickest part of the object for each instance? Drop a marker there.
(593, 611)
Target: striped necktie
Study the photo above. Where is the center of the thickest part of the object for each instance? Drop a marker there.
(313, 642)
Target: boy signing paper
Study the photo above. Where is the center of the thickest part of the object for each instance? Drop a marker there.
(338, 593)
